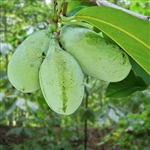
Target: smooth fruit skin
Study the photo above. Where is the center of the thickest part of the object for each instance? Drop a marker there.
(97, 58)
(24, 65)
(61, 80)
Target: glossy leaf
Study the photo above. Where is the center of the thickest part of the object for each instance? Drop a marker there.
(75, 10)
(126, 87)
(140, 72)
(129, 32)
(72, 5)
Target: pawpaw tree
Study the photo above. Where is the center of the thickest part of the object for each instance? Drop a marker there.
(84, 38)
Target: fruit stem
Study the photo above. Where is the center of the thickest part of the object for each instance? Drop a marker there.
(54, 44)
(55, 17)
(65, 4)
(60, 7)
(66, 19)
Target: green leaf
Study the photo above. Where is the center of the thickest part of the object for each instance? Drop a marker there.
(75, 10)
(72, 4)
(126, 87)
(113, 116)
(27, 131)
(129, 32)
(140, 71)
(15, 131)
(12, 108)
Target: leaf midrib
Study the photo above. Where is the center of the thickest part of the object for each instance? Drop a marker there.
(112, 25)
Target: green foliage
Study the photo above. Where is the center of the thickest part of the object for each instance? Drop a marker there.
(134, 128)
(122, 123)
(113, 23)
(139, 6)
(73, 7)
(126, 87)
(125, 35)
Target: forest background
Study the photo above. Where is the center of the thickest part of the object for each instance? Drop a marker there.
(101, 123)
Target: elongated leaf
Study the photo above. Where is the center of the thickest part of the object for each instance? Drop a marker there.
(130, 33)
(16, 131)
(140, 72)
(75, 10)
(113, 116)
(71, 5)
(126, 87)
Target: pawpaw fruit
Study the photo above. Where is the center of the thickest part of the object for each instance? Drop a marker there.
(61, 80)
(98, 58)
(24, 65)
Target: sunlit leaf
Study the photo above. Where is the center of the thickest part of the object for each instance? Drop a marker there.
(129, 32)
(140, 72)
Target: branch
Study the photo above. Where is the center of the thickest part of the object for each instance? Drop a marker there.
(108, 4)
(85, 122)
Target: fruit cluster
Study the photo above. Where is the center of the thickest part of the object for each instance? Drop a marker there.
(41, 62)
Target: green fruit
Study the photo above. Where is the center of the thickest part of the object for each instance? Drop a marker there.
(97, 58)
(24, 65)
(61, 80)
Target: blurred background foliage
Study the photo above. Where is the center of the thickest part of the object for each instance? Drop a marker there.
(26, 121)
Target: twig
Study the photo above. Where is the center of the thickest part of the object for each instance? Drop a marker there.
(64, 8)
(108, 4)
(55, 17)
(85, 122)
